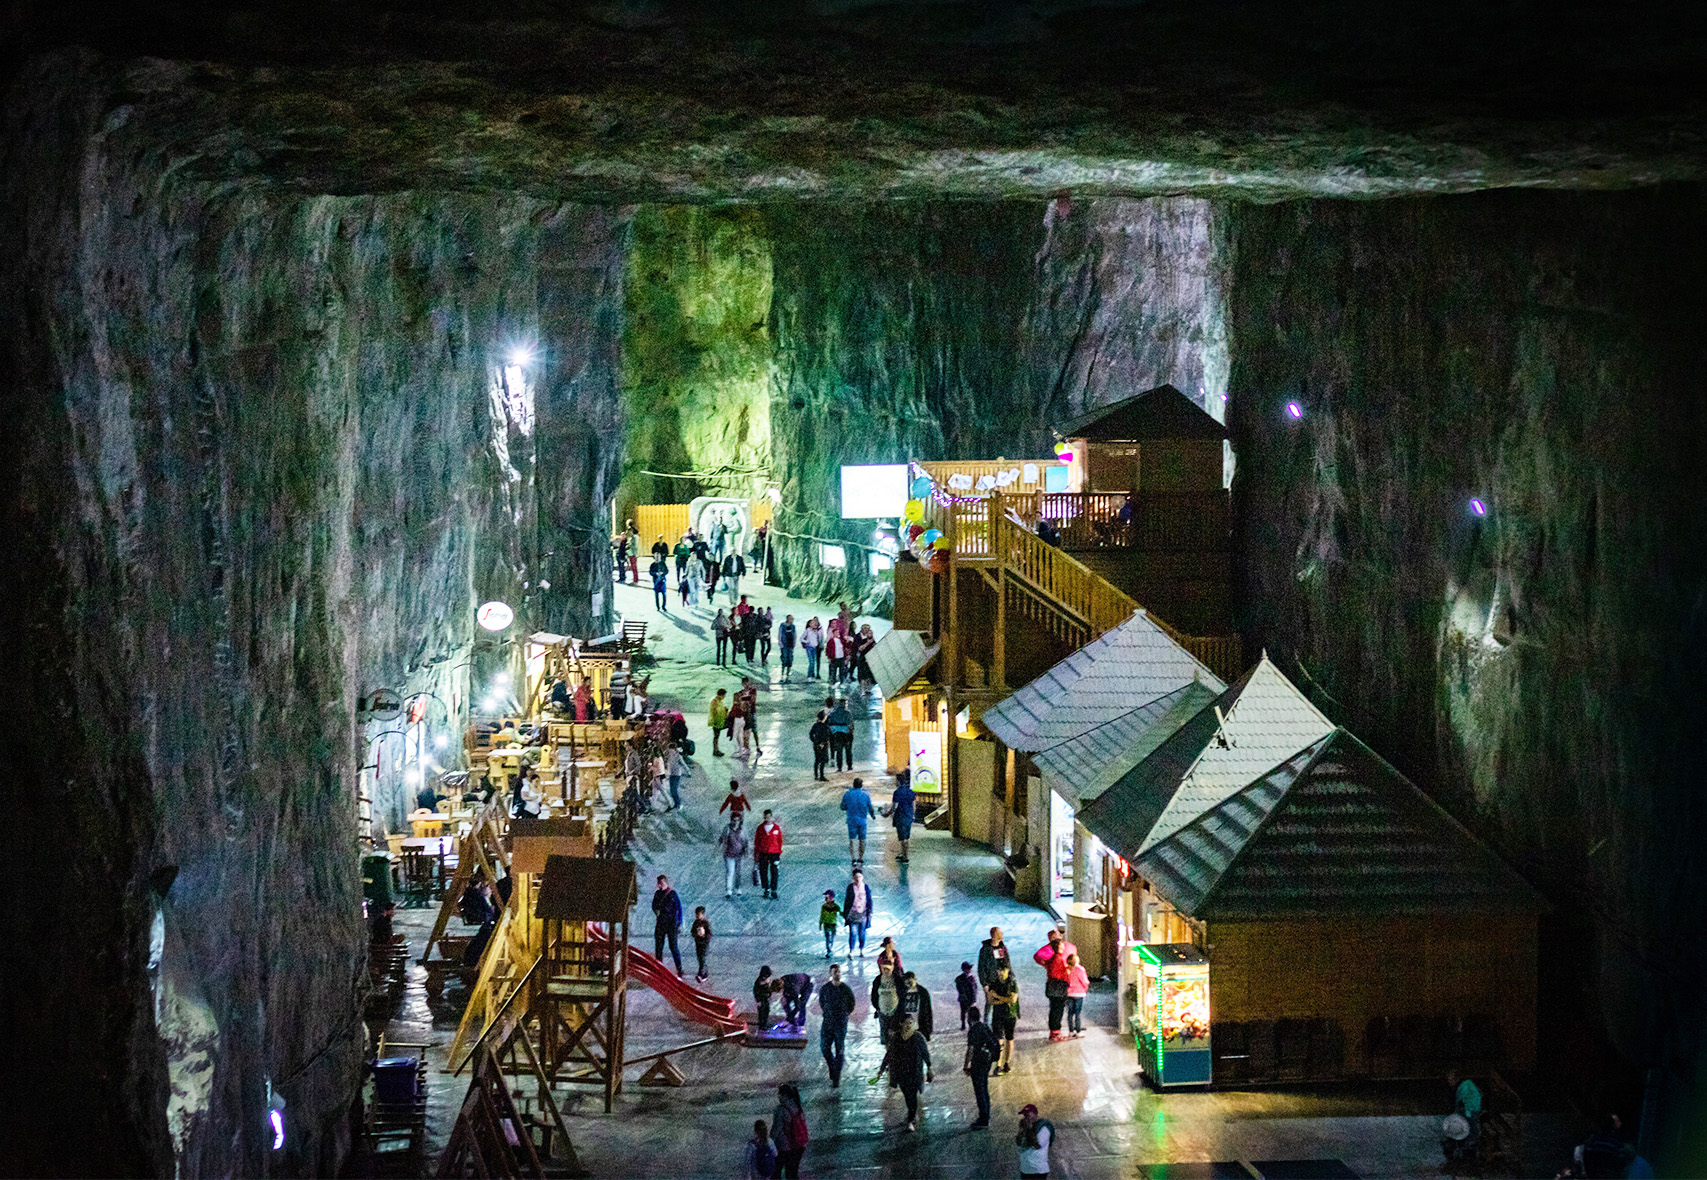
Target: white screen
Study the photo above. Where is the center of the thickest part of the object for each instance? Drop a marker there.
(872, 491)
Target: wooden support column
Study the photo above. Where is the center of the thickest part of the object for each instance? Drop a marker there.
(954, 673)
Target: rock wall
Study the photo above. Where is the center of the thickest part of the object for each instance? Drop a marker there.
(1539, 667)
(965, 330)
(266, 458)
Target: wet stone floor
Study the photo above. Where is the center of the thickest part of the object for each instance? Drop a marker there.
(938, 908)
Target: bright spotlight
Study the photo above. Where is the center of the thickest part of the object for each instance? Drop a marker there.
(412, 776)
(502, 680)
(1478, 506)
(1294, 410)
(441, 741)
(521, 356)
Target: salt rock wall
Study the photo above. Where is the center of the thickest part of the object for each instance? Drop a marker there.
(265, 458)
(966, 330)
(696, 354)
(1540, 667)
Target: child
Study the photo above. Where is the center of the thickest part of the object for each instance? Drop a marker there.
(762, 989)
(701, 931)
(828, 915)
(966, 986)
(761, 1156)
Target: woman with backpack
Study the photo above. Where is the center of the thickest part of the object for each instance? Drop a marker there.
(788, 1131)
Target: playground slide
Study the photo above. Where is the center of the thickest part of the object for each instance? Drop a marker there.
(715, 1012)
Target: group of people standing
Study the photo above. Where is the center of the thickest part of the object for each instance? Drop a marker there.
(746, 631)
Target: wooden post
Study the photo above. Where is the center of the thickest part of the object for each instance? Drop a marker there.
(951, 681)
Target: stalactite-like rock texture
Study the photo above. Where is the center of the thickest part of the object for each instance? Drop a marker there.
(1537, 358)
(267, 457)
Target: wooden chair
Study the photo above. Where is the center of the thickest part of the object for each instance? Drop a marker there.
(633, 639)
(394, 842)
(420, 876)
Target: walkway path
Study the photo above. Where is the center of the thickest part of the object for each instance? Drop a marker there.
(938, 908)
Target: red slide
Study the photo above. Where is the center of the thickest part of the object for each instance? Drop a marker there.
(714, 1012)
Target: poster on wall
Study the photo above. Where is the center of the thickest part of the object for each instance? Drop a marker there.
(924, 759)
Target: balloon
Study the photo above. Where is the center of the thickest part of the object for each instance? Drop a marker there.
(941, 545)
(921, 487)
(1059, 447)
(914, 511)
(913, 530)
(938, 563)
(930, 535)
(1065, 456)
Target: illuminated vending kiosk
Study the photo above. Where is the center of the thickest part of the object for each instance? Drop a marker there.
(1171, 1022)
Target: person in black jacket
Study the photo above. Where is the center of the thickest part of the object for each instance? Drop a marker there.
(666, 921)
(763, 988)
(820, 737)
(982, 1049)
(908, 1060)
(916, 1002)
(836, 1002)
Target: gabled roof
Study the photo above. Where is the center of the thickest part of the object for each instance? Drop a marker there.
(1267, 721)
(1123, 814)
(897, 658)
(1333, 830)
(1162, 412)
(585, 889)
(1086, 766)
(1123, 669)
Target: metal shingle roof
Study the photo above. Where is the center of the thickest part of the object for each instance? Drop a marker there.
(897, 658)
(1086, 766)
(1266, 724)
(1333, 830)
(1124, 669)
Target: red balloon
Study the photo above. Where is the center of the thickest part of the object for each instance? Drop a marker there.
(938, 563)
(915, 530)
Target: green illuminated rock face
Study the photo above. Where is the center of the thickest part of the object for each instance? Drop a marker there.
(696, 354)
(1539, 668)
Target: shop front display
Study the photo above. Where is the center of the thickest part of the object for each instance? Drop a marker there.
(1171, 1023)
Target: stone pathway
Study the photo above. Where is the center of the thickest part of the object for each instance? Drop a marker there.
(938, 909)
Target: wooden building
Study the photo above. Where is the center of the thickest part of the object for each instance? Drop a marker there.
(1353, 928)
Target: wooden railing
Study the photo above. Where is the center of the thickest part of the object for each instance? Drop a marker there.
(1157, 522)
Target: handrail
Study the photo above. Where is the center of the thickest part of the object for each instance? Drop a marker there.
(1059, 575)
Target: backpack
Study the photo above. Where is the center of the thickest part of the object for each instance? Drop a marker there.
(797, 1134)
(764, 1158)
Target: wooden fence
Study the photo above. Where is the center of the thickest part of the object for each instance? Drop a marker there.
(672, 519)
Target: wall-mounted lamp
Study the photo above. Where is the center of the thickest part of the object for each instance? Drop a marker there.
(1294, 411)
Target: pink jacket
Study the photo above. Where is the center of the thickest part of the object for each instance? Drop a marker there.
(1055, 961)
(1078, 982)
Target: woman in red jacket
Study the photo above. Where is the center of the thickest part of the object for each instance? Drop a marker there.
(767, 850)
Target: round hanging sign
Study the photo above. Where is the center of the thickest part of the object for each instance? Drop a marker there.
(494, 616)
(382, 704)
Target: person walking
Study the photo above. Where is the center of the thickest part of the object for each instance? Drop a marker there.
(675, 766)
(733, 843)
(633, 553)
(619, 546)
(966, 991)
(695, 581)
(819, 736)
(836, 1003)
(1034, 1139)
(735, 802)
(700, 932)
(683, 551)
(901, 810)
(859, 810)
(713, 571)
(836, 651)
(885, 1000)
(720, 635)
(908, 1060)
(717, 717)
(760, 1160)
(829, 916)
(1004, 1013)
(767, 851)
(788, 1129)
(682, 588)
(734, 565)
(660, 549)
(1078, 987)
(785, 636)
(889, 953)
(859, 646)
(1052, 957)
(666, 922)
(841, 734)
(811, 642)
(916, 1002)
(856, 910)
(767, 621)
(660, 573)
(982, 1049)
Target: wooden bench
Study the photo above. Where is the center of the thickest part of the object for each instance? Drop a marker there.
(633, 639)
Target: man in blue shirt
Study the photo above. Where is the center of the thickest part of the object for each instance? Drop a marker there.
(858, 806)
(901, 810)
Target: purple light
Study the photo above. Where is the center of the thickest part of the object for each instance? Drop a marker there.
(276, 1117)
(1294, 410)
(1478, 506)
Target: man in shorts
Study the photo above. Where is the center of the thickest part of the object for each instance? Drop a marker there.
(859, 808)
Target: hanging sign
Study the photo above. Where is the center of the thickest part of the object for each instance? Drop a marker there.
(925, 760)
(494, 615)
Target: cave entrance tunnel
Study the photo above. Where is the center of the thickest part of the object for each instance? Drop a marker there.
(276, 443)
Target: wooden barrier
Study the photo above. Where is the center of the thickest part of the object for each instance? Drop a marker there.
(652, 519)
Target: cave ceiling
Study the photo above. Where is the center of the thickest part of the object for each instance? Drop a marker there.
(629, 102)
